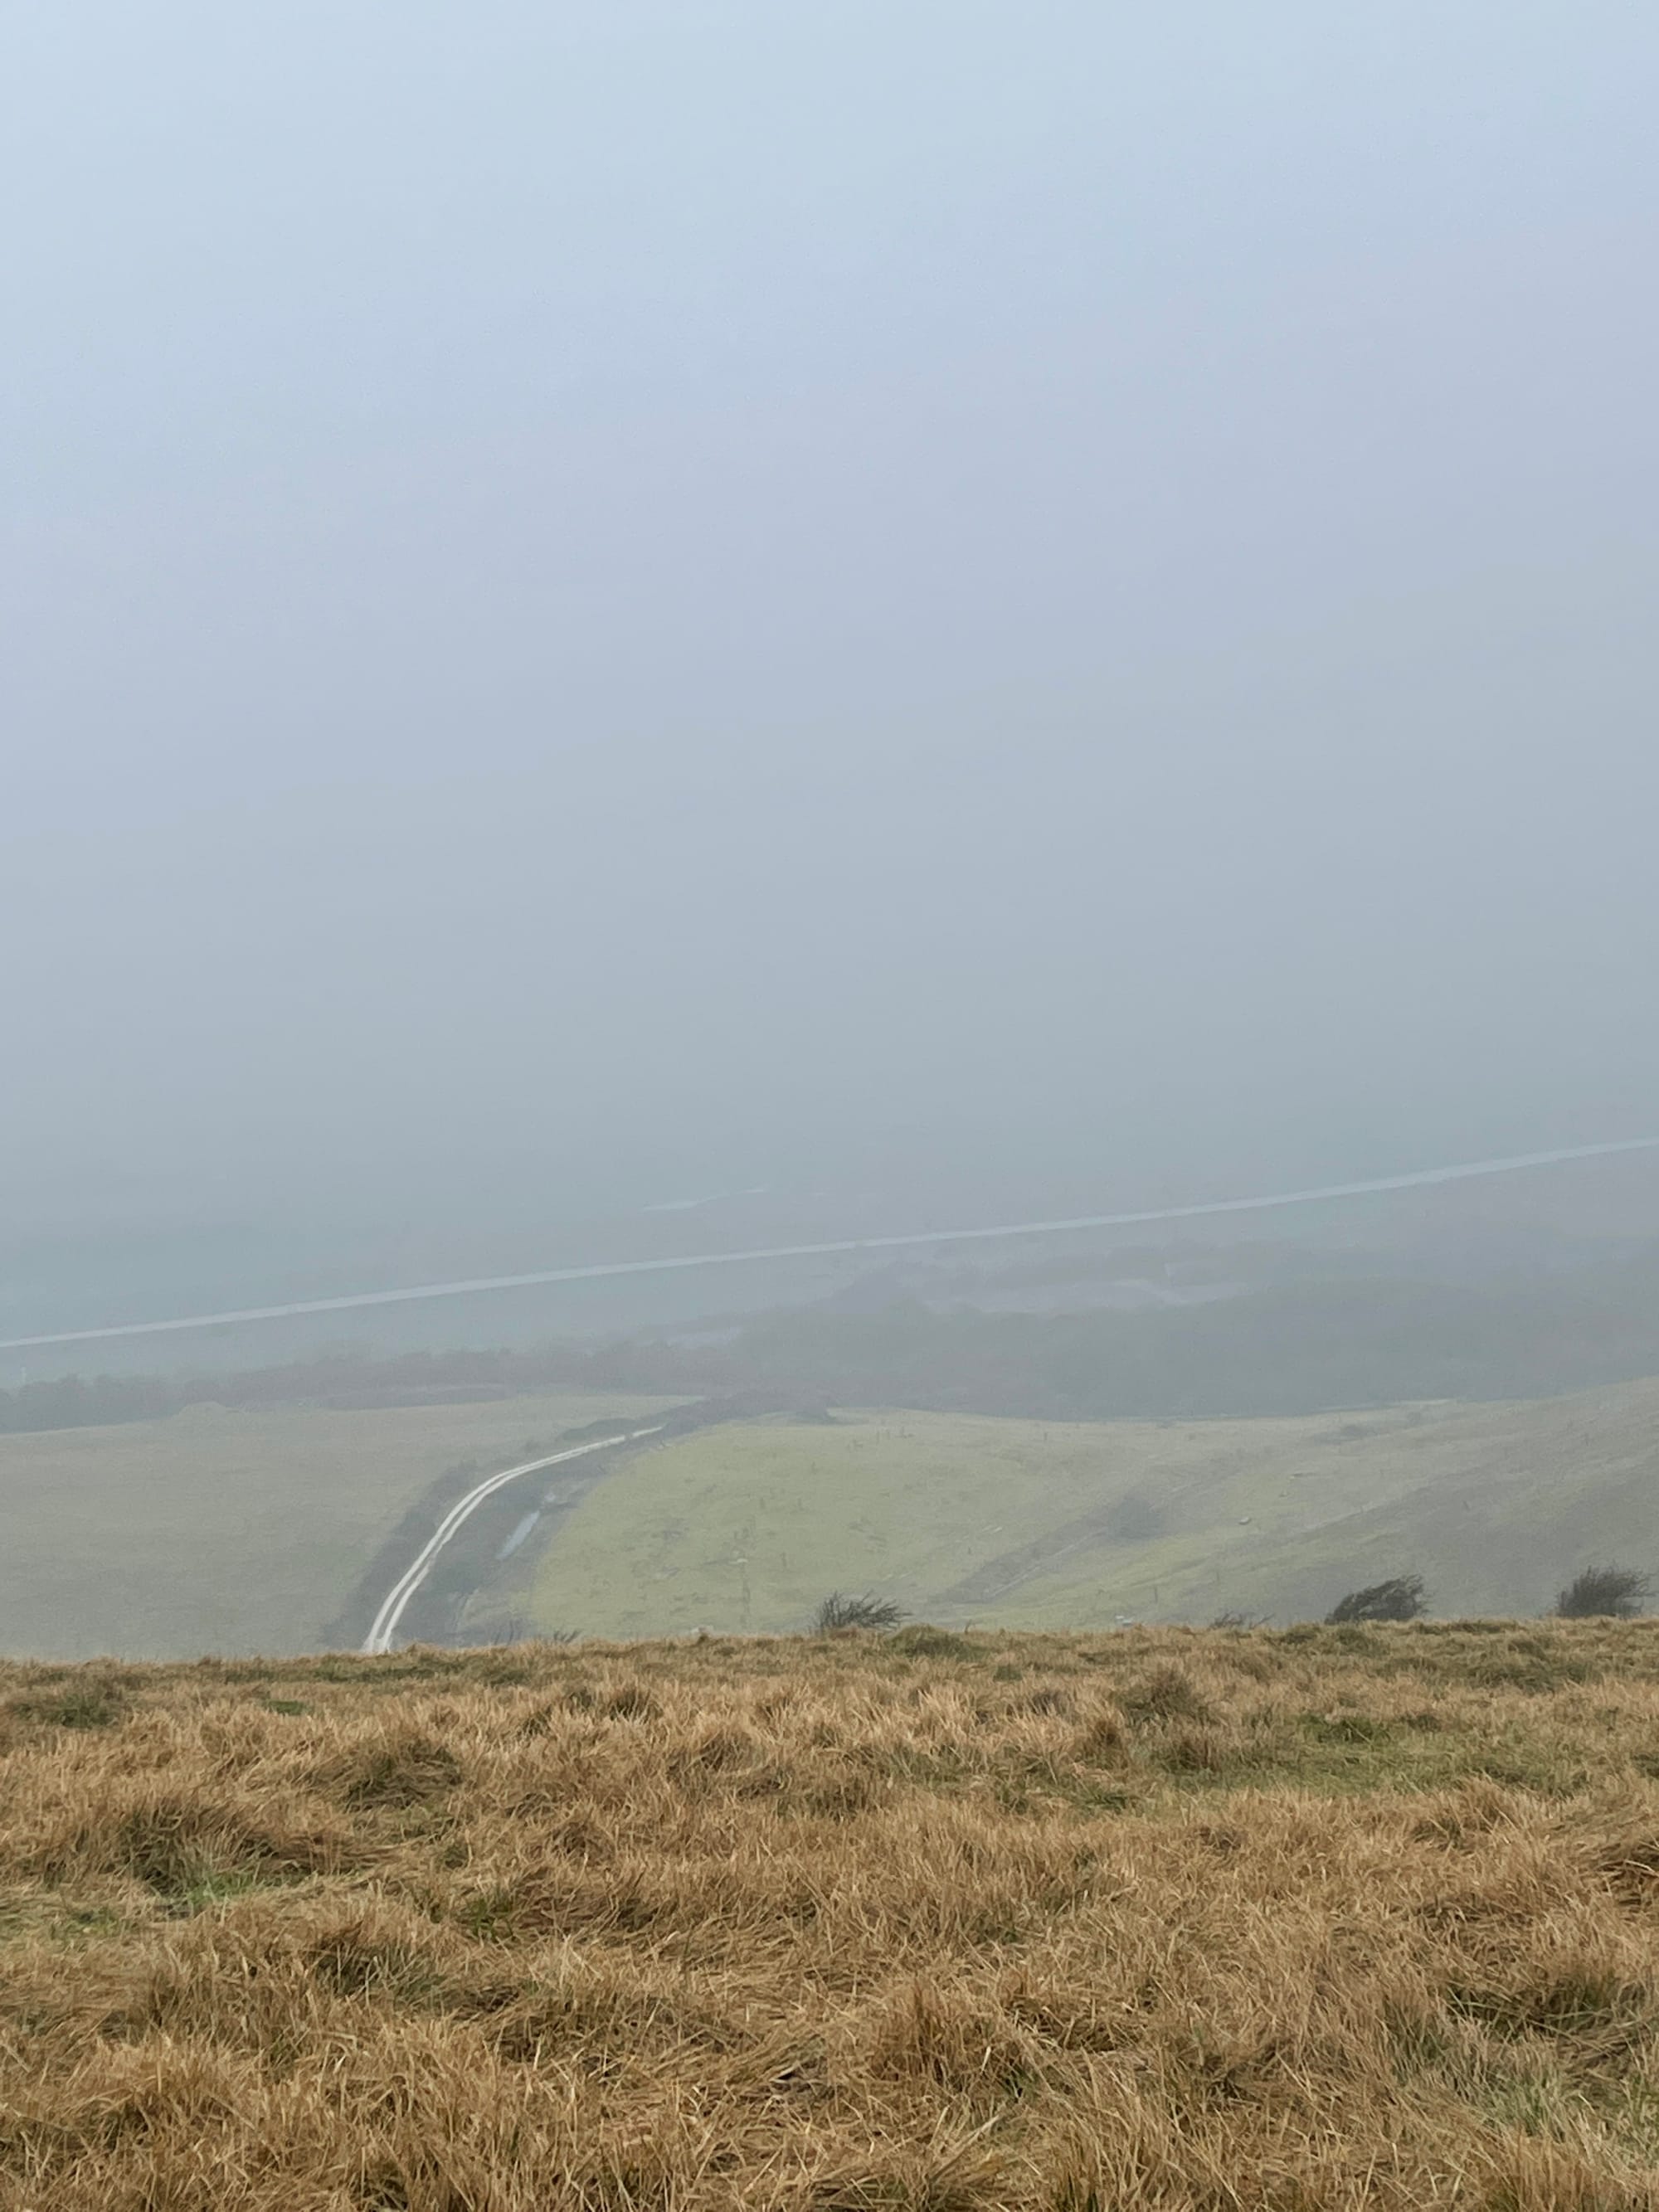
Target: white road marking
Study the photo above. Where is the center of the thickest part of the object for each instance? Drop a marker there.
(379, 1638)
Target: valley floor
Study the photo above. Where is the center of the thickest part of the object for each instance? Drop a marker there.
(225, 1529)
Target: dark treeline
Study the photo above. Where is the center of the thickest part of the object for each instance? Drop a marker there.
(1279, 1351)
(350, 1380)
(1294, 1348)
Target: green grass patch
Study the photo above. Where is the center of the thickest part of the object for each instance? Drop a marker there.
(981, 1524)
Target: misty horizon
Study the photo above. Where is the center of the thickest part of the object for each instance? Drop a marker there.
(904, 601)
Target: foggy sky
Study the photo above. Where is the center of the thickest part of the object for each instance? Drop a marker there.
(603, 597)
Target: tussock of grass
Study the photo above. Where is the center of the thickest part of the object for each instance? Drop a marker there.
(1173, 1919)
(91, 1700)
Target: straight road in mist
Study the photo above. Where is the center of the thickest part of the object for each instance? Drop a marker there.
(1420, 1178)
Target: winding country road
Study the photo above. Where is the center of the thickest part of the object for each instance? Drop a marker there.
(393, 1606)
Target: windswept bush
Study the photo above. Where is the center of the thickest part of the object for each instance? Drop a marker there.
(1400, 1599)
(841, 1611)
(1605, 1594)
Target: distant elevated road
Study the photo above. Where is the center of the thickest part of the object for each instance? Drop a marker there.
(392, 1606)
(1420, 1178)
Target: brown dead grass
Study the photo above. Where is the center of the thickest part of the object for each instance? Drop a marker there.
(1297, 1919)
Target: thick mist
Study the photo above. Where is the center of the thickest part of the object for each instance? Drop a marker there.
(612, 604)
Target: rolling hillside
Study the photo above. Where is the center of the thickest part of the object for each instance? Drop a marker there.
(228, 1530)
(1056, 1524)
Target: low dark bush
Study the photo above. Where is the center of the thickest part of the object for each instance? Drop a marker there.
(840, 1611)
(1401, 1599)
(1605, 1593)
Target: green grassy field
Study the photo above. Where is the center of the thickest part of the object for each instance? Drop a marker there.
(1049, 1525)
(228, 1531)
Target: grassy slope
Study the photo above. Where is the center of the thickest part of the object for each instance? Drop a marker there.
(1322, 1919)
(962, 1517)
(227, 1531)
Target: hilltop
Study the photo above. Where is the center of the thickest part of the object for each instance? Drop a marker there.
(1314, 1918)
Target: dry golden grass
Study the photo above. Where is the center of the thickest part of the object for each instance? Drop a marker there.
(1290, 1919)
